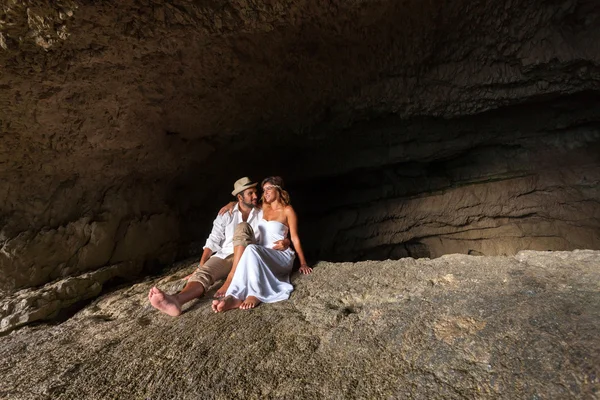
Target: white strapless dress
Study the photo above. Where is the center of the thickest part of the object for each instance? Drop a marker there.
(263, 272)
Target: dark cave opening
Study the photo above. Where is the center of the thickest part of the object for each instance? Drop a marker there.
(355, 192)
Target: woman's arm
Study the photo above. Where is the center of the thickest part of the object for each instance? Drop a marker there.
(228, 208)
(293, 224)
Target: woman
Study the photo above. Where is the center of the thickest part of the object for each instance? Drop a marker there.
(262, 273)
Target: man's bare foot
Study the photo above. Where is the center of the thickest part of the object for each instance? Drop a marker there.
(221, 292)
(228, 303)
(249, 303)
(164, 302)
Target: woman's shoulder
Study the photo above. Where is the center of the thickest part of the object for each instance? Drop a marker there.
(288, 209)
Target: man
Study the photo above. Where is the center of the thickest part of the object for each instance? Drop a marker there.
(217, 257)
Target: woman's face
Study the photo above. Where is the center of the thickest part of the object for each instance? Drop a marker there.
(270, 193)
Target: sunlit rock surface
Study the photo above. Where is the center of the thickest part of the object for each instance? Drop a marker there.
(450, 328)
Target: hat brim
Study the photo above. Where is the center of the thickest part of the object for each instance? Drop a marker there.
(240, 190)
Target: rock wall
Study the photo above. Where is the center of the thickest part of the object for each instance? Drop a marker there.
(75, 234)
(526, 177)
(119, 119)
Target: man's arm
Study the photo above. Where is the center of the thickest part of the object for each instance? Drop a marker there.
(205, 256)
(215, 240)
(213, 243)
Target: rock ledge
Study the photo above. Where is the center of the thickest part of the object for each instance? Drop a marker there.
(453, 327)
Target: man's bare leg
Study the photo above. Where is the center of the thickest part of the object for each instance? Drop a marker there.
(171, 304)
(249, 303)
(191, 291)
(237, 255)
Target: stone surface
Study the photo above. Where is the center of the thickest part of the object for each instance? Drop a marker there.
(454, 327)
(123, 124)
(45, 303)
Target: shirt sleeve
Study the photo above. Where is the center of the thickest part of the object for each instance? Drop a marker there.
(217, 235)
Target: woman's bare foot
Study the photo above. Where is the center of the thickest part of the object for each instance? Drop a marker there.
(215, 305)
(249, 303)
(228, 303)
(164, 302)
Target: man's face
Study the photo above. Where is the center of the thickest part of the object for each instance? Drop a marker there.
(250, 197)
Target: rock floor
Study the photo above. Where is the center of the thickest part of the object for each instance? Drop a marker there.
(449, 328)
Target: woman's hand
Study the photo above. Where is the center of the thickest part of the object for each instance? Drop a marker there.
(281, 245)
(305, 269)
(228, 208)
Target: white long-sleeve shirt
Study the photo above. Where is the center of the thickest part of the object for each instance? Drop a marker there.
(220, 240)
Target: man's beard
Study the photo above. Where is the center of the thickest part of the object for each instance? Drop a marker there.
(249, 205)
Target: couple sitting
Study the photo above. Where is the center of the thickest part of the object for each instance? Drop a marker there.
(248, 246)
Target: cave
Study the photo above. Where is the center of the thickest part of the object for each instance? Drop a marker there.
(403, 129)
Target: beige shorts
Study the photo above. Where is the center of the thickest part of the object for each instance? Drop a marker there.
(216, 268)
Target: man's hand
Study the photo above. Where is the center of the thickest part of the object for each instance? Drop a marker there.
(190, 275)
(228, 208)
(282, 244)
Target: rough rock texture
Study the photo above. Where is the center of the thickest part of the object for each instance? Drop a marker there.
(123, 124)
(525, 177)
(455, 327)
(30, 305)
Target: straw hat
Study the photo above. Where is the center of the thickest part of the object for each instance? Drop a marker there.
(242, 184)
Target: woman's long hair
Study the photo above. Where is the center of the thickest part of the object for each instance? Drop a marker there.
(277, 182)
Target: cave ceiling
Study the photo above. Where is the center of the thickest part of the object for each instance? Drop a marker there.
(151, 85)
